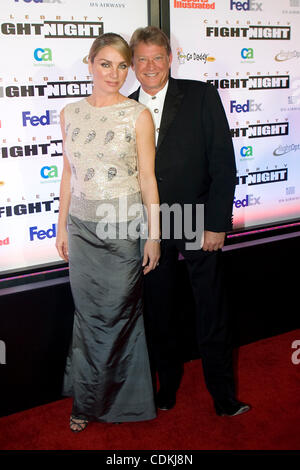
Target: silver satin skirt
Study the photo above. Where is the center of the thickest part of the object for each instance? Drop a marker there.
(107, 370)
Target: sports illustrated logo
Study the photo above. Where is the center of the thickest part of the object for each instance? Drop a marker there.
(255, 82)
(39, 1)
(30, 208)
(282, 56)
(2, 352)
(284, 149)
(296, 354)
(249, 107)
(48, 119)
(4, 242)
(52, 149)
(186, 57)
(263, 177)
(245, 6)
(42, 234)
(254, 131)
(252, 32)
(196, 4)
(54, 29)
(249, 200)
(51, 90)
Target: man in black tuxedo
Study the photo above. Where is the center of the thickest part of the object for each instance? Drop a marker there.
(195, 166)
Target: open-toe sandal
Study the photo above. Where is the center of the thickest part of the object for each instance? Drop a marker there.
(78, 424)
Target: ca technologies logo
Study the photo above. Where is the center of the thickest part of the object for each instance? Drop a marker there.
(47, 119)
(43, 56)
(246, 6)
(49, 172)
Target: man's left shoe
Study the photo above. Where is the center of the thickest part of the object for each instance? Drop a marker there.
(231, 408)
(165, 402)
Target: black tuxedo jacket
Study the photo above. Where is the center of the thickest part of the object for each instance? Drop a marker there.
(195, 161)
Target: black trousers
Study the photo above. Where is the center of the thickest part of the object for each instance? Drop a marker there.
(212, 331)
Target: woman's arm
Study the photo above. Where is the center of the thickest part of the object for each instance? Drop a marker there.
(146, 158)
(64, 201)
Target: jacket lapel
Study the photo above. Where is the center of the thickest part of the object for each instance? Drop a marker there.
(135, 95)
(171, 105)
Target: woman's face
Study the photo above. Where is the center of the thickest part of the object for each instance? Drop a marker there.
(109, 70)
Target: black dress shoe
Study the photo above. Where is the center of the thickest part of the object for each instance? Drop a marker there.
(165, 401)
(231, 408)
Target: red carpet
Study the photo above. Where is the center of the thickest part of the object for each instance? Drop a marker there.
(267, 379)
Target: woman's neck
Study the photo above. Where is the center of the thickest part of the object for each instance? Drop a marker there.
(104, 100)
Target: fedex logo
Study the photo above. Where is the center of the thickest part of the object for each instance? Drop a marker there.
(47, 119)
(42, 234)
(247, 107)
(249, 200)
(246, 6)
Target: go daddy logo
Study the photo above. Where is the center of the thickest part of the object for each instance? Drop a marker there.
(193, 56)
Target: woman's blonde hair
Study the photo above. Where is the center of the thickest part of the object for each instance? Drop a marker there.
(114, 40)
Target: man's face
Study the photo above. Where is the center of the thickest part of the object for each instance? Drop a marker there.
(151, 64)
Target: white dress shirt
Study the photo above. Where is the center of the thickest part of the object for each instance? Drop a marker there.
(155, 104)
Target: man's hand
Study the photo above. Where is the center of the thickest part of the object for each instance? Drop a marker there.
(213, 241)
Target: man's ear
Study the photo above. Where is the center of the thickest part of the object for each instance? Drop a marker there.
(90, 67)
(170, 58)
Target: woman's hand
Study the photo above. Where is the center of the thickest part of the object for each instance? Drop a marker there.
(62, 244)
(151, 255)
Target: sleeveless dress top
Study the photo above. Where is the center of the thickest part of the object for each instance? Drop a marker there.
(101, 148)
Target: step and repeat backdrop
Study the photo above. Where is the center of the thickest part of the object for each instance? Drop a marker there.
(44, 48)
(250, 51)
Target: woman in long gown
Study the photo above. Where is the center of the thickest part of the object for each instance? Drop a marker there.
(109, 156)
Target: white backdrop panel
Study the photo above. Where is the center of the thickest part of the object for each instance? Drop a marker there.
(44, 46)
(250, 51)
